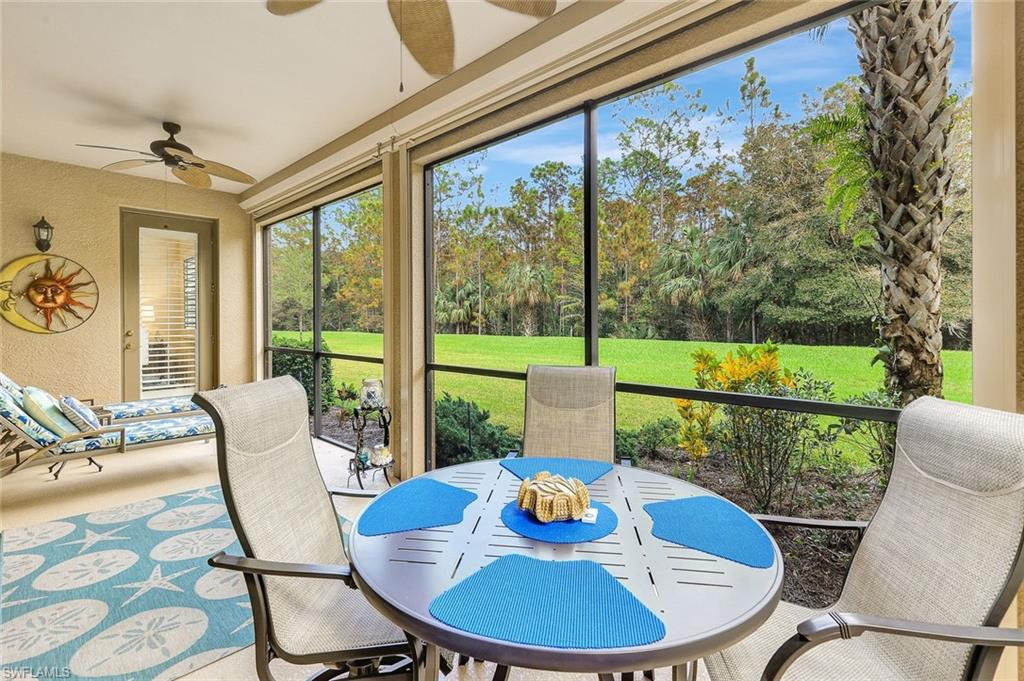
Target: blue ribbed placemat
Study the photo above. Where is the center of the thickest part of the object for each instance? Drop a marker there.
(556, 604)
(414, 505)
(525, 524)
(581, 469)
(714, 526)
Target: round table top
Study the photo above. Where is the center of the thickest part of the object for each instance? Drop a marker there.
(706, 603)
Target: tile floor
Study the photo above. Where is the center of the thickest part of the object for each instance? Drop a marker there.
(30, 496)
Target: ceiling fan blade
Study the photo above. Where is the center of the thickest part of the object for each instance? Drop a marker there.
(192, 176)
(534, 8)
(130, 163)
(283, 8)
(227, 172)
(211, 167)
(100, 146)
(425, 27)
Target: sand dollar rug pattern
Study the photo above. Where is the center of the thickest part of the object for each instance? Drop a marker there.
(123, 593)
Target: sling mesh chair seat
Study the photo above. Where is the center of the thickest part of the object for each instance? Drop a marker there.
(570, 412)
(305, 607)
(933, 574)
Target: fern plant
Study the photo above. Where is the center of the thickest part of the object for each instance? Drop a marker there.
(849, 165)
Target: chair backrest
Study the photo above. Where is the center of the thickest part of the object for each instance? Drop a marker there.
(945, 543)
(570, 411)
(272, 486)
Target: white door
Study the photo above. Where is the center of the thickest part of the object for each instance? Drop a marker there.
(168, 325)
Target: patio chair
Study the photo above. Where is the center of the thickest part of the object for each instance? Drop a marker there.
(25, 442)
(123, 412)
(305, 607)
(934, 572)
(570, 412)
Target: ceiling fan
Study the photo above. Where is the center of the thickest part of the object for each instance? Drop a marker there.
(186, 166)
(425, 26)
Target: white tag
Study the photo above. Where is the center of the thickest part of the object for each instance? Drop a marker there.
(590, 517)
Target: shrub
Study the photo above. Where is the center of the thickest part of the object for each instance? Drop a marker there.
(771, 448)
(301, 368)
(463, 432)
(647, 439)
(348, 396)
(877, 439)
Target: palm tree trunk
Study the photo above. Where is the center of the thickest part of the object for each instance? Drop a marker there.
(904, 51)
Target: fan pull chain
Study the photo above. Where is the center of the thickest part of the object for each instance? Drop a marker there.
(401, 52)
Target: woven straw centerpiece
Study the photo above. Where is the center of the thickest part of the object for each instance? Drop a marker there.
(552, 497)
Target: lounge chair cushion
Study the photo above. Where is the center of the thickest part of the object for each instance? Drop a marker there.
(157, 430)
(29, 427)
(152, 407)
(44, 408)
(79, 414)
(11, 387)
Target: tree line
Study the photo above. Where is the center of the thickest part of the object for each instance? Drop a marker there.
(696, 241)
(845, 224)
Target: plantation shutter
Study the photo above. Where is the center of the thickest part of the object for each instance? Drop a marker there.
(168, 312)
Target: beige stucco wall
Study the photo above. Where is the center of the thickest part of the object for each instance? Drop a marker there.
(84, 205)
(1019, 119)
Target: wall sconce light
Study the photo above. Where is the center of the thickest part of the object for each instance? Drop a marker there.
(44, 233)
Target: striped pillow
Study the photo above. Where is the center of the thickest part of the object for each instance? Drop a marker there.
(79, 414)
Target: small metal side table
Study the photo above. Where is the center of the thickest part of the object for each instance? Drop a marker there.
(356, 467)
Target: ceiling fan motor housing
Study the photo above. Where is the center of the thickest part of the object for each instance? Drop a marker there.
(160, 147)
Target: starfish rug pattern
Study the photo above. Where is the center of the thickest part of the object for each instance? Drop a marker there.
(124, 593)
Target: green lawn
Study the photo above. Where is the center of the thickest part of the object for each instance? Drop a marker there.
(642, 361)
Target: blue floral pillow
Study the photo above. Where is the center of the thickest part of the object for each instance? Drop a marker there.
(11, 387)
(79, 414)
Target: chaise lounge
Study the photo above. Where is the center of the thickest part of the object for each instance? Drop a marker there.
(121, 412)
(27, 442)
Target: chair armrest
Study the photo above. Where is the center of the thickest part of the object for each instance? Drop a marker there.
(843, 625)
(346, 492)
(102, 430)
(512, 455)
(847, 625)
(817, 523)
(256, 566)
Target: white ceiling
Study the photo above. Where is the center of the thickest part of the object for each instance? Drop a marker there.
(250, 89)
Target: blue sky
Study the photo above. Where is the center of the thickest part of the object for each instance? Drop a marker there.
(793, 66)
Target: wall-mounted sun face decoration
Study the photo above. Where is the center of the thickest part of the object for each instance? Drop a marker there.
(47, 293)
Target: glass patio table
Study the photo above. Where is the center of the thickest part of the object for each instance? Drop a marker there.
(705, 602)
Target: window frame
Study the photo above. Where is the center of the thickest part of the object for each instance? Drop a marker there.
(316, 354)
(591, 323)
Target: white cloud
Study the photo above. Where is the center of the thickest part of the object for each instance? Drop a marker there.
(525, 152)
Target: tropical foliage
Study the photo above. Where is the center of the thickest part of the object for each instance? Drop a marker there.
(771, 449)
(464, 432)
(300, 367)
(697, 240)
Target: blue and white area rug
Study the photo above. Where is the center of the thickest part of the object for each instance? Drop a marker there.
(123, 593)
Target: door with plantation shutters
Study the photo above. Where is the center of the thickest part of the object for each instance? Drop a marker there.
(168, 285)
